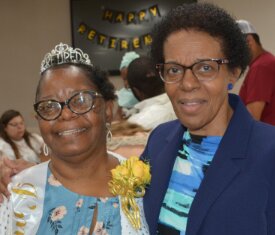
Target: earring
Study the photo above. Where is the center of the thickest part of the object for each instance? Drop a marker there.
(109, 135)
(229, 86)
(45, 150)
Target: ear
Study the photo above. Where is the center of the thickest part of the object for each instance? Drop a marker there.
(249, 40)
(109, 105)
(138, 94)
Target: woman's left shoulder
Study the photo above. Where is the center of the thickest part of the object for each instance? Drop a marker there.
(263, 131)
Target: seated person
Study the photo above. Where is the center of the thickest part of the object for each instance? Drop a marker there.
(154, 108)
(15, 141)
(70, 194)
(126, 99)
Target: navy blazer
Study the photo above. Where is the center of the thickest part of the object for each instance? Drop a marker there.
(237, 194)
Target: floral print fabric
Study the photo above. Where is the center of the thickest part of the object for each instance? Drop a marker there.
(66, 212)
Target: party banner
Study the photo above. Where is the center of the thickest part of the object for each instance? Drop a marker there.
(131, 17)
(111, 42)
(106, 29)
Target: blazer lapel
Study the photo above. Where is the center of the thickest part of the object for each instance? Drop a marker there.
(223, 169)
(218, 177)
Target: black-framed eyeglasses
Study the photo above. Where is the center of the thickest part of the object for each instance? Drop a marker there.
(80, 103)
(203, 70)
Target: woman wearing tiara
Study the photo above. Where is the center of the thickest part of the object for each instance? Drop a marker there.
(69, 194)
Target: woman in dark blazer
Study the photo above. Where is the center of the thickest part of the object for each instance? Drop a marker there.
(213, 169)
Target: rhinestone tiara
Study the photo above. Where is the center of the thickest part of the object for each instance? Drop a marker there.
(63, 54)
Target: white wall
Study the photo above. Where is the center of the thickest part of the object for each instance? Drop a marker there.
(260, 13)
(30, 28)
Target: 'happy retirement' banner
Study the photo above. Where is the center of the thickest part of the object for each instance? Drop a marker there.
(106, 29)
(132, 17)
(114, 16)
(112, 42)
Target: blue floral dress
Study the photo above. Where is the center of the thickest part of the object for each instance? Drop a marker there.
(68, 213)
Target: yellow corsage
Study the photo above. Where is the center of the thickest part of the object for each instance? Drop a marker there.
(129, 180)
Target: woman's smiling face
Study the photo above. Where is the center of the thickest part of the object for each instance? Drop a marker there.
(202, 106)
(72, 134)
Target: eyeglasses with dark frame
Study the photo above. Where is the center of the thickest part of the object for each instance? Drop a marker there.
(80, 103)
(203, 70)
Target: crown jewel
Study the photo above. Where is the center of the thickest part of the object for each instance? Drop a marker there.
(62, 54)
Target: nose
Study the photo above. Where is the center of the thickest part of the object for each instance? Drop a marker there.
(21, 126)
(66, 113)
(189, 82)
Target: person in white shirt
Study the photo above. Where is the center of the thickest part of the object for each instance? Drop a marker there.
(154, 107)
(15, 141)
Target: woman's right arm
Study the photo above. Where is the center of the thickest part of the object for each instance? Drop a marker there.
(9, 168)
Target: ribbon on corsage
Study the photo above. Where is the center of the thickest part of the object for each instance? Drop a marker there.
(129, 180)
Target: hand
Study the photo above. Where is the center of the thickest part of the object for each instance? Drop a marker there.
(9, 168)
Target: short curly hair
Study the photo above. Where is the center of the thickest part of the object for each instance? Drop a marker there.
(208, 18)
(97, 76)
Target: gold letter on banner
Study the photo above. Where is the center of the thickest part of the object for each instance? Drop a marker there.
(112, 43)
(136, 43)
(108, 15)
(82, 28)
(141, 15)
(91, 34)
(131, 17)
(124, 44)
(101, 39)
(154, 10)
(119, 17)
(147, 39)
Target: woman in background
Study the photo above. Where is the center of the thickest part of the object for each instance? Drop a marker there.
(15, 141)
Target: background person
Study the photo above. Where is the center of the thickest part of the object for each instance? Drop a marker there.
(70, 193)
(213, 168)
(126, 99)
(258, 88)
(154, 107)
(15, 141)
